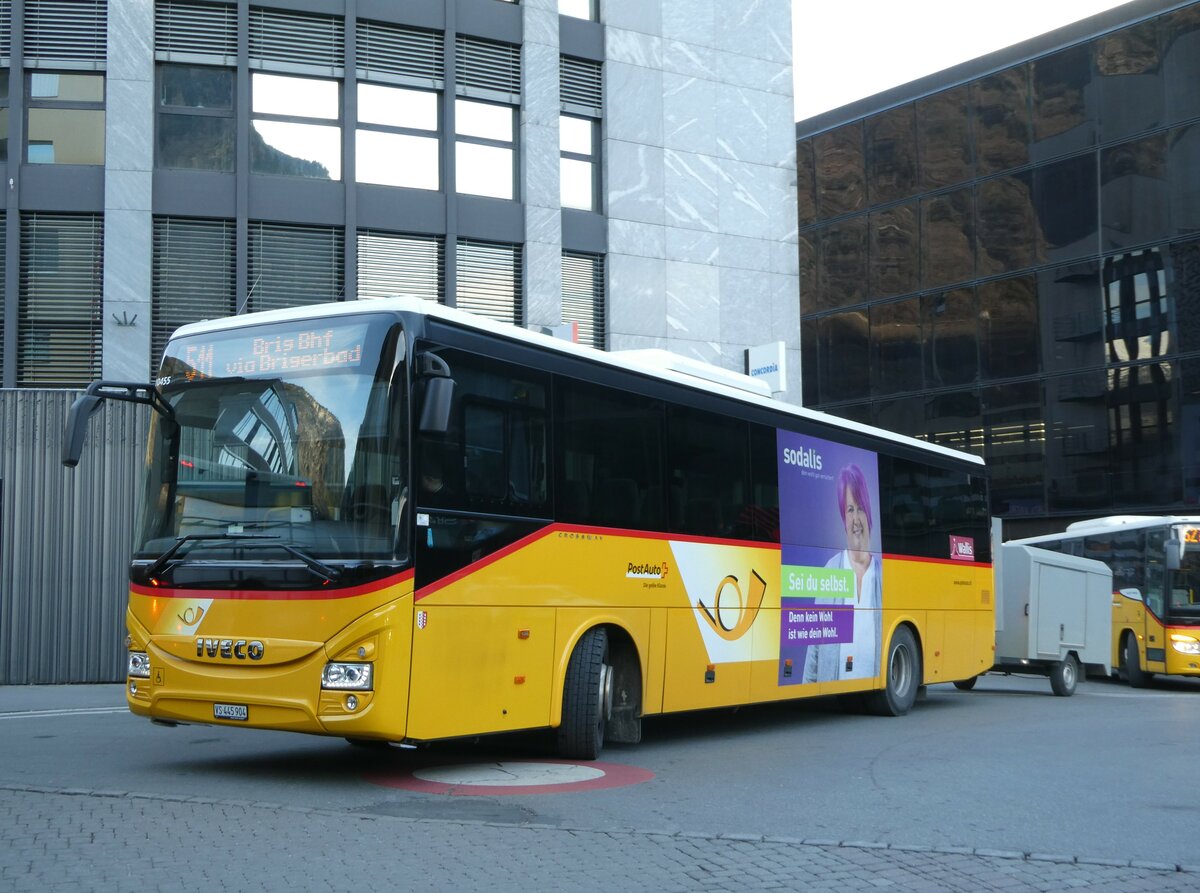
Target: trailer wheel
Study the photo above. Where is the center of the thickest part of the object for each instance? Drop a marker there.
(587, 698)
(966, 684)
(1064, 675)
(902, 677)
(1132, 665)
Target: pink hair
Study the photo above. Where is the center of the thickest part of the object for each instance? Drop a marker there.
(852, 476)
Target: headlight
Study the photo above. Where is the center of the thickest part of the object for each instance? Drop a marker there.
(1185, 644)
(347, 676)
(139, 664)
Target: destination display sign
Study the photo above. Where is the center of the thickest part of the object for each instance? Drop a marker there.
(268, 350)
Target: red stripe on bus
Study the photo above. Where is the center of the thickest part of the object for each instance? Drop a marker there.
(474, 566)
(268, 595)
(559, 530)
(676, 537)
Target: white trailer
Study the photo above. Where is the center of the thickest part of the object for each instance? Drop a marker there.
(1053, 615)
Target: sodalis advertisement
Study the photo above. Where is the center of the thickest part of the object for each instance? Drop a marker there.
(832, 573)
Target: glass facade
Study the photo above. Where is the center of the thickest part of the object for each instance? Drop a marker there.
(1007, 266)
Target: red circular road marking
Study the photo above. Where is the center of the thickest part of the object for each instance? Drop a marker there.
(474, 779)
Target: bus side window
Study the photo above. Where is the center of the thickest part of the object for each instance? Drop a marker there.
(709, 464)
(1156, 571)
(609, 457)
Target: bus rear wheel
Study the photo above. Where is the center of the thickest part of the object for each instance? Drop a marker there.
(902, 677)
(587, 698)
(966, 684)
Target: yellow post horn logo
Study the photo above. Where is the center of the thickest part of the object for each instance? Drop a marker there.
(747, 609)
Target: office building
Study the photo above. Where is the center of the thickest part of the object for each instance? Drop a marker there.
(619, 170)
(1001, 257)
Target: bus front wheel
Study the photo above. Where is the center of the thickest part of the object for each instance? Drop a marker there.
(587, 698)
(966, 684)
(901, 675)
(1132, 665)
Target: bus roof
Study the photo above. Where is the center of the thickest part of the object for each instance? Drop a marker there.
(655, 363)
(1109, 524)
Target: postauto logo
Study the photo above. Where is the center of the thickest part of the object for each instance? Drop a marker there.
(649, 571)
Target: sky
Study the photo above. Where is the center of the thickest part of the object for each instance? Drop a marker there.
(848, 49)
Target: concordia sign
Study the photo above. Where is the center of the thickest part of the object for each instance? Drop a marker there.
(767, 362)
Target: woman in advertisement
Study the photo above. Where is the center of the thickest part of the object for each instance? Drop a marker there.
(859, 657)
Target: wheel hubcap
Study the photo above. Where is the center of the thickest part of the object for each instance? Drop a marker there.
(606, 692)
(900, 671)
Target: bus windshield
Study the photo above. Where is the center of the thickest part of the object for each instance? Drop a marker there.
(1183, 603)
(287, 440)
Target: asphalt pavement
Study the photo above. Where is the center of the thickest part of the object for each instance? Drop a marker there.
(56, 835)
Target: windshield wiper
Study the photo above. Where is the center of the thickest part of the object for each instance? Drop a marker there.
(320, 568)
(165, 558)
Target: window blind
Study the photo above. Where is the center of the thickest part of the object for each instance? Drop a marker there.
(65, 30)
(583, 296)
(6, 30)
(581, 88)
(392, 264)
(292, 266)
(401, 55)
(488, 70)
(291, 41)
(489, 280)
(195, 32)
(193, 276)
(59, 328)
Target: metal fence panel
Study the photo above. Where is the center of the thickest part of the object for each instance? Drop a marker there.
(65, 539)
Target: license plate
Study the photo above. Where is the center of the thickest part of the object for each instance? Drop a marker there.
(231, 711)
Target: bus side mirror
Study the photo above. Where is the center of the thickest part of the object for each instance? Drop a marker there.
(435, 411)
(82, 410)
(1174, 554)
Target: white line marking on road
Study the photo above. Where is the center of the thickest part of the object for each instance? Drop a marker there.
(74, 711)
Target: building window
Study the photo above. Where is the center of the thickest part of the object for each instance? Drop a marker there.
(59, 303)
(290, 133)
(391, 264)
(3, 114)
(489, 280)
(579, 167)
(580, 91)
(193, 276)
(196, 125)
(66, 118)
(397, 143)
(583, 297)
(578, 9)
(488, 83)
(485, 150)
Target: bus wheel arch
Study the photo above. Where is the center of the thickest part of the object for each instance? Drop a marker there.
(601, 693)
(902, 674)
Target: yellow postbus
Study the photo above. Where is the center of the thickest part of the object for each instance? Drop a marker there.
(391, 521)
(1156, 589)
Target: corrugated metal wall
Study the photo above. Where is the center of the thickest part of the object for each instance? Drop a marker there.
(65, 539)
